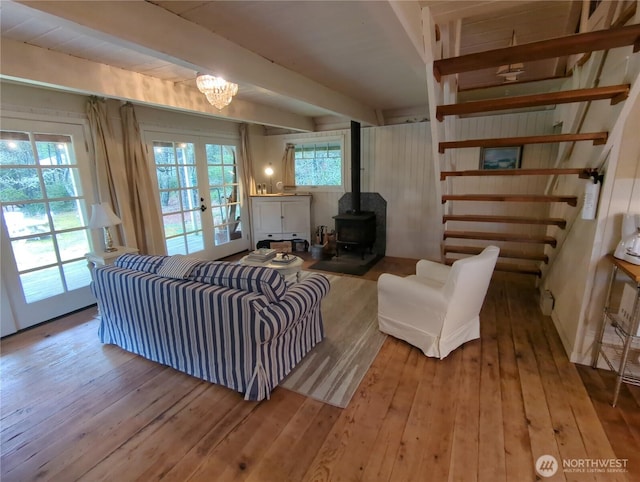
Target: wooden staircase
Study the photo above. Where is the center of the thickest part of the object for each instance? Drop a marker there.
(516, 254)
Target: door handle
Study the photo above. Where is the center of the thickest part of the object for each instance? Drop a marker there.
(203, 208)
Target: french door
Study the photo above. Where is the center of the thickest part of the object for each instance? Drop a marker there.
(44, 181)
(199, 194)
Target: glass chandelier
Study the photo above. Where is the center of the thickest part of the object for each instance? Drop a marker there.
(219, 92)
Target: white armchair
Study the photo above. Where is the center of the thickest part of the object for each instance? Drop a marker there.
(438, 308)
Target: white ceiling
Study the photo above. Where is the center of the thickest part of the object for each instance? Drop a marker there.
(309, 59)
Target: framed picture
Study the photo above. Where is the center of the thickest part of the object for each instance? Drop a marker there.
(500, 157)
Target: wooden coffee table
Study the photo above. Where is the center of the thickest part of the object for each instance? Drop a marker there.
(294, 267)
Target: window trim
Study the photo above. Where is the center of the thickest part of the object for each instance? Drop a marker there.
(340, 139)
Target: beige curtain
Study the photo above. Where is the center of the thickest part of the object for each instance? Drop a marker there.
(288, 165)
(246, 163)
(110, 170)
(143, 203)
(246, 169)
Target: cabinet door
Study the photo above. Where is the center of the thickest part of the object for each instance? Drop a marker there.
(268, 216)
(295, 217)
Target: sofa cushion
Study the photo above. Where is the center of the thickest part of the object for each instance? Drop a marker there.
(259, 279)
(177, 266)
(140, 262)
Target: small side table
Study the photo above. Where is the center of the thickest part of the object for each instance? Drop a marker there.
(101, 258)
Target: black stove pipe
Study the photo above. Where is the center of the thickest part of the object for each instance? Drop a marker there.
(355, 167)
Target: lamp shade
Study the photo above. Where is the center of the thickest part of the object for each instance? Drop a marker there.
(102, 216)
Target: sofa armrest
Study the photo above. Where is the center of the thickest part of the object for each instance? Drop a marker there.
(300, 299)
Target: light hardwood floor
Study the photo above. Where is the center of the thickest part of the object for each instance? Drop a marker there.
(73, 409)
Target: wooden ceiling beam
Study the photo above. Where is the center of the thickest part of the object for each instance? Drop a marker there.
(598, 138)
(616, 93)
(544, 49)
(173, 39)
(33, 65)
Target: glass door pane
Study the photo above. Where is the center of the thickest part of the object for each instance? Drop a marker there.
(224, 193)
(175, 164)
(44, 213)
(45, 220)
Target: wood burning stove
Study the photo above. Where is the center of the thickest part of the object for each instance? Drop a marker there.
(355, 229)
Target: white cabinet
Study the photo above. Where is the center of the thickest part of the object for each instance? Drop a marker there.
(281, 217)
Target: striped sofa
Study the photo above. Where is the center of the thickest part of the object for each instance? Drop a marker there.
(238, 326)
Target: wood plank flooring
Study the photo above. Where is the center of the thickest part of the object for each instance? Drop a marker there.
(73, 409)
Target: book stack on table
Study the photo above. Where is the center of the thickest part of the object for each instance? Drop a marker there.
(262, 255)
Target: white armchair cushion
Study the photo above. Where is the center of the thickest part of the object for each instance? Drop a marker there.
(437, 309)
(432, 270)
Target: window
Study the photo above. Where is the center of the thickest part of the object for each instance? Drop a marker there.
(318, 163)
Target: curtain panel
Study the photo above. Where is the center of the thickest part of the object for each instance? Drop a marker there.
(288, 165)
(110, 170)
(143, 203)
(246, 169)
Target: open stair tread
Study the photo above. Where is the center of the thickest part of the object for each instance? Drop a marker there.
(571, 200)
(598, 138)
(512, 237)
(511, 268)
(504, 253)
(504, 219)
(544, 49)
(583, 173)
(616, 93)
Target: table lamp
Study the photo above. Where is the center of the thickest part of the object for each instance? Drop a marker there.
(103, 217)
(269, 172)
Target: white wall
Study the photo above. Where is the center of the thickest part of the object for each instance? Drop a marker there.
(578, 276)
(621, 195)
(401, 170)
